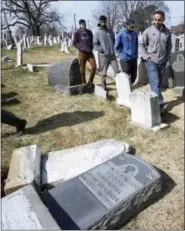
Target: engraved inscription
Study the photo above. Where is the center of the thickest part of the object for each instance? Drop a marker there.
(111, 183)
(178, 65)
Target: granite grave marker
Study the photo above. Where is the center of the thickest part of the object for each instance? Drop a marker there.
(65, 78)
(105, 197)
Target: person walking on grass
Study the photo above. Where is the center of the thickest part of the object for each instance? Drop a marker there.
(126, 46)
(103, 41)
(83, 42)
(155, 50)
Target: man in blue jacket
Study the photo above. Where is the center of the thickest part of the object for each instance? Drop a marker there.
(126, 46)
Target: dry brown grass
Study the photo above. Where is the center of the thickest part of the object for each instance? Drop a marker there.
(57, 121)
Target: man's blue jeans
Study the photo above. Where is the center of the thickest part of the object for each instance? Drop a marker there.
(155, 76)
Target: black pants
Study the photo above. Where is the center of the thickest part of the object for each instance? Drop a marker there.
(130, 67)
(10, 119)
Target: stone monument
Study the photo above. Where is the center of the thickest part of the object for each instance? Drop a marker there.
(105, 197)
(65, 77)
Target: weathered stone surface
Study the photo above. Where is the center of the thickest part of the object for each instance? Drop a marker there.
(110, 72)
(65, 164)
(100, 92)
(19, 54)
(177, 59)
(123, 86)
(145, 109)
(24, 168)
(66, 73)
(105, 197)
(24, 210)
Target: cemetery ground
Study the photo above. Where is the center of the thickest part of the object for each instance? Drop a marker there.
(57, 121)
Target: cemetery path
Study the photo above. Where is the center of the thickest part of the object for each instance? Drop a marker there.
(58, 121)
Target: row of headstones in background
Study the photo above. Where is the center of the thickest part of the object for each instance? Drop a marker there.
(142, 102)
(113, 185)
(28, 42)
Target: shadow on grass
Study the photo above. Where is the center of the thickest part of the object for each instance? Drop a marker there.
(63, 119)
(169, 118)
(9, 98)
(169, 105)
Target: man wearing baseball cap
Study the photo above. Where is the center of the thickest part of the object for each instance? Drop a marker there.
(83, 41)
(126, 46)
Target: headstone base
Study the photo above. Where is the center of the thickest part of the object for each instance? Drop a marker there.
(74, 90)
(123, 102)
(155, 128)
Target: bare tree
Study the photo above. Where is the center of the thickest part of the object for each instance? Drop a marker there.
(32, 14)
(118, 12)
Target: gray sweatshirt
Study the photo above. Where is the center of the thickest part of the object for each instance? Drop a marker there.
(156, 44)
(103, 41)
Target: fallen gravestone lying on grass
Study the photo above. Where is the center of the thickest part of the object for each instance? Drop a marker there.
(24, 210)
(105, 197)
(65, 78)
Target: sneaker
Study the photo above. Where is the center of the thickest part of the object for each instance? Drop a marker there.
(20, 129)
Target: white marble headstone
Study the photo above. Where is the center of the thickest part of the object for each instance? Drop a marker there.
(123, 86)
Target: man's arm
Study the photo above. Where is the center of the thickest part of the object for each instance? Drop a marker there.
(76, 40)
(96, 42)
(169, 48)
(118, 47)
(144, 44)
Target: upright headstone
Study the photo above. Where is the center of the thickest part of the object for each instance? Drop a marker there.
(177, 59)
(19, 54)
(24, 210)
(54, 40)
(62, 46)
(142, 76)
(24, 42)
(123, 86)
(28, 42)
(50, 40)
(96, 55)
(45, 40)
(100, 92)
(66, 79)
(38, 40)
(110, 72)
(145, 109)
(105, 197)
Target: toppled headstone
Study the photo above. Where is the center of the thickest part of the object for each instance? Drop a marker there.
(105, 197)
(63, 165)
(100, 92)
(6, 59)
(145, 109)
(123, 86)
(24, 210)
(24, 168)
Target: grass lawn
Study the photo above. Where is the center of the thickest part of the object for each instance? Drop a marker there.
(58, 121)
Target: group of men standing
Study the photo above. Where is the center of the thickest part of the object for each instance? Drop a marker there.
(155, 49)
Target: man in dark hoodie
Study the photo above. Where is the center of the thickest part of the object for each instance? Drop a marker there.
(104, 43)
(83, 41)
(126, 46)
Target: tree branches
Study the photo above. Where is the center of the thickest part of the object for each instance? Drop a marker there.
(32, 14)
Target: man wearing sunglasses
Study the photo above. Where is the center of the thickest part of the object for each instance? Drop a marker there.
(126, 46)
(104, 43)
(83, 41)
(155, 50)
